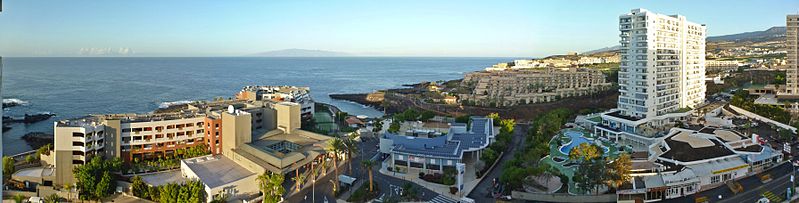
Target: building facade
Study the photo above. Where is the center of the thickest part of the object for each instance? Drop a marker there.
(527, 86)
(662, 65)
(721, 66)
(300, 95)
(439, 153)
(792, 45)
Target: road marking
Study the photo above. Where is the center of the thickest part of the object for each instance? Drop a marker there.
(778, 181)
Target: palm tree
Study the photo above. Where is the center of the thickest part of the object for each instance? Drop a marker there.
(69, 190)
(351, 147)
(335, 146)
(271, 186)
(368, 164)
(298, 178)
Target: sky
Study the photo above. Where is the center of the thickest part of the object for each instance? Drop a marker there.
(364, 28)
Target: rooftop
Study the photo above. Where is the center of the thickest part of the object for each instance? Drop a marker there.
(687, 147)
(618, 114)
(453, 145)
(216, 171)
(163, 178)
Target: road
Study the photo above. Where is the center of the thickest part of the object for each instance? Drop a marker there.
(481, 192)
(752, 191)
(324, 187)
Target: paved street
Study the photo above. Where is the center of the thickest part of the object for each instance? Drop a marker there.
(753, 188)
(481, 193)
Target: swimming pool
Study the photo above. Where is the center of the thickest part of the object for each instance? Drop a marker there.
(576, 138)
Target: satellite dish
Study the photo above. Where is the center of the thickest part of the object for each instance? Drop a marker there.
(230, 109)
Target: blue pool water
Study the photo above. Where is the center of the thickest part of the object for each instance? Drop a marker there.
(576, 138)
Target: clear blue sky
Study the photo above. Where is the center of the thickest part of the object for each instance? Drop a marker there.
(380, 28)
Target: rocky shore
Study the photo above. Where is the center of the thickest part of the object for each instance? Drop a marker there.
(359, 98)
(401, 99)
(38, 139)
(28, 118)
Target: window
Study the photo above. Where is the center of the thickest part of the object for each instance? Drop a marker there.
(715, 179)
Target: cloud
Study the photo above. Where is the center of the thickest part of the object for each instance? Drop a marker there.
(121, 51)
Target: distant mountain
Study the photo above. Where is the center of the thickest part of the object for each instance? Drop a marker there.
(606, 49)
(301, 53)
(771, 34)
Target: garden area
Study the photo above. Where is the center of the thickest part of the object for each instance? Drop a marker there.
(567, 145)
(166, 162)
(548, 151)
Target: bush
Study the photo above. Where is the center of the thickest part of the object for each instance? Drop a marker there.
(362, 194)
(453, 190)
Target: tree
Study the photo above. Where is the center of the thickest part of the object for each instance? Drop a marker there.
(271, 186)
(154, 192)
(94, 179)
(462, 119)
(105, 187)
(489, 156)
(30, 159)
(169, 193)
(427, 115)
(8, 166)
(368, 164)
(52, 198)
(506, 125)
(619, 171)
(19, 198)
(495, 117)
(378, 126)
(394, 127)
(139, 188)
(590, 174)
(44, 150)
(350, 147)
(68, 187)
(335, 146)
(585, 152)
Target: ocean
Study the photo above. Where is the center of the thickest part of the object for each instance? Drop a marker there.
(74, 87)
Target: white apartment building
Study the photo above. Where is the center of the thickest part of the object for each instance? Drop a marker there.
(792, 70)
(662, 63)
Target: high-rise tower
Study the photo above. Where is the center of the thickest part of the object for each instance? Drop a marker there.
(662, 63)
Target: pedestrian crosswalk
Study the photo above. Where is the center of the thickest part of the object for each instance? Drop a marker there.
(442, 199)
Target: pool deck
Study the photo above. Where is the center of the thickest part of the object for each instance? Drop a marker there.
(555, 151)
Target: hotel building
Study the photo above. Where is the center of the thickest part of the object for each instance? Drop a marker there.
(257, 135)
(662, 63)
(526, 86)
(661, 77)
(686, 162)
(792, 45)
(438, 153)
(300, 95)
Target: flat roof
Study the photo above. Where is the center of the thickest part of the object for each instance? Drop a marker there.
(305, 141)
(617, 114)
(444, 146)
(163, 178)
(216, 171)
(688, 148)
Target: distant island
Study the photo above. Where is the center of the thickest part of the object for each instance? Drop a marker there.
(301, 53)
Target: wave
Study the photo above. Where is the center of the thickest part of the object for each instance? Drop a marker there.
(164, 105)
(14, 101)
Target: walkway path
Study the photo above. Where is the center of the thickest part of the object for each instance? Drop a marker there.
(482, 191)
